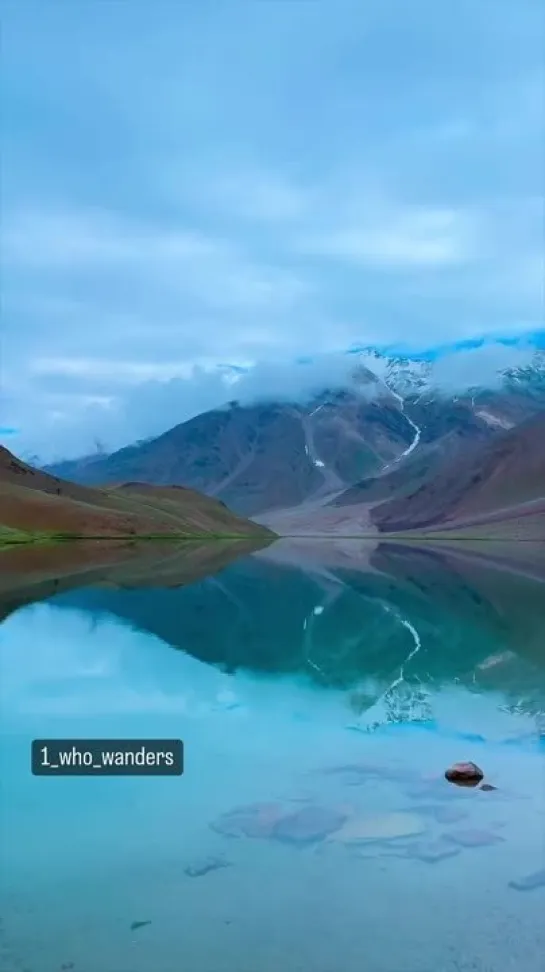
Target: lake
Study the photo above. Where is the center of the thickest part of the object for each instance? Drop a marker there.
(321, 691)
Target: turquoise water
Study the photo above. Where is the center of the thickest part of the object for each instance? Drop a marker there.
(347, 682)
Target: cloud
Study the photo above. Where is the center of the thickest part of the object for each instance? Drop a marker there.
(118, 372)
(215, 271)
(134, 407)
(71, 422)
(407, 238)
(280, 181)
(479, 367)
(257, 196)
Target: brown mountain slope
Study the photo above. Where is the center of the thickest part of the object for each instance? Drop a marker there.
(502, 480)
(403, 478)
(279, 455)
(32, 501)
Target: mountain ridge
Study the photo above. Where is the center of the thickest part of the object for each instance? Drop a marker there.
(279, 455)
(36, 504)
(504, 480)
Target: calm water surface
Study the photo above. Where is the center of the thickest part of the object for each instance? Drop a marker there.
(341, 683)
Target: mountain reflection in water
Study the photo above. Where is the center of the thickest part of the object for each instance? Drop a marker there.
(401, 617)
(339, 678)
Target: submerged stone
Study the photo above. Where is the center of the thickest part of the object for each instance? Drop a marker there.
(253, 820)
(432, 851)
(311, 823)
(473, 838)
(446, 814)
(205, 865)
(388, 826)
(443, 812)
(530, 882)
(434, 790)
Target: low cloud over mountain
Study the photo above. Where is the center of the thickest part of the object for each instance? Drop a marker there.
(126, 405)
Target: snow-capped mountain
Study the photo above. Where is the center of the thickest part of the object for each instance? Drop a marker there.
(371, 414)
(413, 376)
(408, 377)
(530, 376)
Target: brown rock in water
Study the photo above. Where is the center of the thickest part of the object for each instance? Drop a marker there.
(308, 824)
(464, 774)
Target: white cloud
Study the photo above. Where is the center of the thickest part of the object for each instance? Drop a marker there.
(409, 237)
(138, 407)
(118, 372)
(257, 195)
(478, 367)
(277, 182)
(215, 271)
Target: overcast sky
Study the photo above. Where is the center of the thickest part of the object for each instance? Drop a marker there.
(194, 183)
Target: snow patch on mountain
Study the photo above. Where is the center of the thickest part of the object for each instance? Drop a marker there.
(495, 421)
(417, 430)
(465, 372)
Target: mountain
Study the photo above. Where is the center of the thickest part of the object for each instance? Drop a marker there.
(500, 485)
(412, 376)
(269, 455)
(33, 502)
(387, 431)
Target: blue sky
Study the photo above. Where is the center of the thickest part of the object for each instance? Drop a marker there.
(193, 183)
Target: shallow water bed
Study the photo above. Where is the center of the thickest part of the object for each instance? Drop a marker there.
(313, 829)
